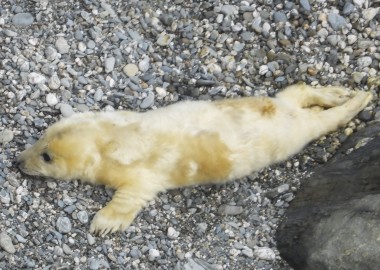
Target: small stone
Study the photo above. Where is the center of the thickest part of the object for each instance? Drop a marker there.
(230, 210)
(365, 115)
(82, 216)
(51, 99)
(351, 39)
(36, 78)
(336, 21)
(90, 239)
(148, 101)
(164, 39)
(279, 17)
(264, 253)
(263, 69)
(63, 225)
(66, 110)
(283, 188)
(109, 64)
(348, 8)
(364, 61)
(247, 252)
(62, 45)
(130, 70)
(305, 4)
(6, 243)
(370, 13)
(54, 82)
(93, 264)
(6, 136)
(22, 19)
(172, 233)
(358, 76)
(312, 71)
(98, 94)
(229, 10)
(144, 64)
(161, 92)
(154, 253)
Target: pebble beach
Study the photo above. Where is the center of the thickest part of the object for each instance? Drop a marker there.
(58, 58)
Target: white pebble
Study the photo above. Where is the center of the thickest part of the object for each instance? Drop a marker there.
(51, 99)
(161, 92)
(263, 70)
(54, 82)
(154, 253)
(172, 233)
(130, 70)
(144, 64)
(264, 253)
(36, 78)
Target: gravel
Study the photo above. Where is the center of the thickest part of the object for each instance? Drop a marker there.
(62, 57)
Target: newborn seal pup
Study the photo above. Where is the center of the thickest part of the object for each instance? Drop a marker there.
(188, 143)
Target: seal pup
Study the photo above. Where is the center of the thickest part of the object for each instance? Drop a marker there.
(187, 143)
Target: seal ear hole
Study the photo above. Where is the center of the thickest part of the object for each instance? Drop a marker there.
(46, 157)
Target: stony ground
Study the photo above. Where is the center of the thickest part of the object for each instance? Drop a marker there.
(60, 57)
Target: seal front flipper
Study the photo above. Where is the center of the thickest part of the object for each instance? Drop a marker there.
(119, 213)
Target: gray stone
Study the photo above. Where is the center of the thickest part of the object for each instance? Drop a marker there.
(62, 45)
(364, 61)
(279, 17)
(305, 4)
(22, 19)
(336, 21)
(66, 110)
(335, 215)
(63, 225)
(109, 64)
(6, 136)
(230, 210)
(82, 216)
(6, 243)
(228, 10)
(148, 101)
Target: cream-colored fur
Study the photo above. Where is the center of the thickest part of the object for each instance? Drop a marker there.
(188, 143)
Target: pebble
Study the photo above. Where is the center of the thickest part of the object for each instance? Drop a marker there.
(279, 17)
(148, 101)
(66, 110)
(172, 233)
(305, 4)
(229, 10)
(6, 243)
(109, 64)
(62, 45)
(154, 253)
(82, 216)
(22, 19)
(364, 61)
(230, 210)
(63, 225)
(90, 239)
(370, 13)
(54, 82)
(264, 253)
(144, 65)
(51, 99)
(130, 70)
(93, 264)
(336, 21)
(6, 136)
(36, 78)
(164, 39)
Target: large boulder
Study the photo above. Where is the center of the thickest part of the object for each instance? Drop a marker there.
(334, 221)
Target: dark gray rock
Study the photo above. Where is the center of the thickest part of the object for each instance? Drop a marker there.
(333, 221)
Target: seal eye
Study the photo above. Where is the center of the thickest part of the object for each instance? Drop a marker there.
(46, 157)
